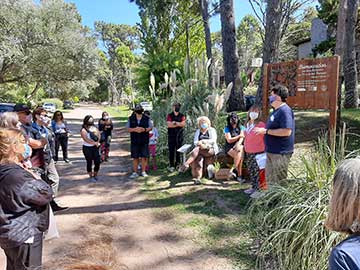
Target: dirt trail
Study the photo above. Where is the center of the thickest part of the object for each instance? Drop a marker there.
(111, 225)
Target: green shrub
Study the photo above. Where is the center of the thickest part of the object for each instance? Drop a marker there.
(76, 99)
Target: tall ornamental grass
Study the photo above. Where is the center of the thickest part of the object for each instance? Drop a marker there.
(196, 98)
(289, 220)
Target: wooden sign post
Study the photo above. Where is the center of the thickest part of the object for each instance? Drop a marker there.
(312, 84)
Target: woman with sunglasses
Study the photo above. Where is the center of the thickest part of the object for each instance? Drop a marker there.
(24, 204)
(61, 131)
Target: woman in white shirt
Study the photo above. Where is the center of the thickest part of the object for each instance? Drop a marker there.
(91, 142)
(205, 141)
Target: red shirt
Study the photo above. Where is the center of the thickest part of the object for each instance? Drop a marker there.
(254, 143)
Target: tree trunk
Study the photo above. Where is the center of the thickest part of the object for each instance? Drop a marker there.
(230, 56)
(272, 40)
(339, 50)
(34, 91)
(350, 72)
(204, 5)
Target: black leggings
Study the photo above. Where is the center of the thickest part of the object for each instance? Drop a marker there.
(91, 154)
(61, 140)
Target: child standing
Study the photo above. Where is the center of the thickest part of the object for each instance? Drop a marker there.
(254, 146)
(153, 138)
(105, 128)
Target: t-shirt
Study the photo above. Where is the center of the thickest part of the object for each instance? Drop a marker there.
(283, 117)
(346, 255)
(254, 143)
(153, 136)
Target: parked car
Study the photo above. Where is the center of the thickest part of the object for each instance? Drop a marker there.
(50, 107)
(6, 107)
(68, 105)
(249, 101)
(147, 106)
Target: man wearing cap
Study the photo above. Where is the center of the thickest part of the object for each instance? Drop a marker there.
(175, 122)
(279, 136)
(139, 126)
(37, 143)
(33, 137)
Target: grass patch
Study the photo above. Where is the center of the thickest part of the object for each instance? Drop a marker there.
(214, 213)
(118, 113)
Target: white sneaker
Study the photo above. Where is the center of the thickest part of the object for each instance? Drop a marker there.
(144, 174)
(171, 169)
(134, 175)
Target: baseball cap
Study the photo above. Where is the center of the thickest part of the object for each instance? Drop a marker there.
(21, 107)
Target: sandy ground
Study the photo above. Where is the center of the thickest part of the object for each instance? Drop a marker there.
(111, 224)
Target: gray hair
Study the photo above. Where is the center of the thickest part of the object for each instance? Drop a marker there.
(9, 120)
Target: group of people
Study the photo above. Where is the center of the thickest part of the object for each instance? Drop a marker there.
(29, 181)
(267, 149)
(254, 141)
(30, 142)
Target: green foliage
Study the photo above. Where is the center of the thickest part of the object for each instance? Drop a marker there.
(289, 219)
(327, 11)
(17, 93)
(158, 64)
(298, 30)
(101, 92)
(115, 35)
(249, 41)
(163, 26)
(196, 99)
(44, 43)
(53, 42)
(118, 60)
(326, 48)
(76, 99)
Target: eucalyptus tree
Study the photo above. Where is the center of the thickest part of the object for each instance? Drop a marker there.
(119, 41)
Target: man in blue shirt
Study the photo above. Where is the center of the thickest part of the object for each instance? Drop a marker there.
(279, 136)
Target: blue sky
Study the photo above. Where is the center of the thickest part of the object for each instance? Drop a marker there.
(124, 12)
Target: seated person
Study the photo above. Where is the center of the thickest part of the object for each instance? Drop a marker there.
(205, 149)
(234, 135)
